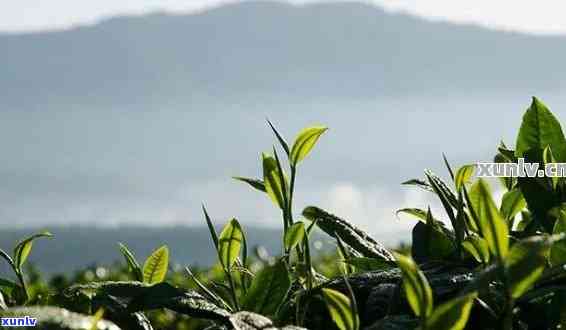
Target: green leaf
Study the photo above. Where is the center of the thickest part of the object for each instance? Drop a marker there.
(453, 314)
(356, 238)
(23, 249)
(512, 203)
(540, 129)
(155, 266)
(492, 226)
(464, 175)
(415, 212)
(477, 247)
(339, 307)
(256, 183)
(230, 243)
(96, 318)
(558, 249)
(268, 290)
(279, 138)
(274, 186)
(415, 285)
(133, 264)
(525, 263)
(143, 296)
(304, 142)
(294, 235)
(211, 228)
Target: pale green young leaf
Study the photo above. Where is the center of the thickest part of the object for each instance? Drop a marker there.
(453, 314)
(493, 227)
(294, 235)
(464, 175)
(304, 142)
(230, 243)
(416, 287)
(268, 290)
(133, 264)
(339, 307)
(23, 248)
(274, 186)
(155, 266)
(512, 203)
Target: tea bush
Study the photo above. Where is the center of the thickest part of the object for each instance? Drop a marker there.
(497, 265)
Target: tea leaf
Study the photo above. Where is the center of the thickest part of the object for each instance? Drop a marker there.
(304, 142)
(351, 235)
(453, 314)
(540, 129)
(211, 228)
(143, 296)
(525, 263)
(477, 247)
(23, 249)
(558, 249)
(133, 265)
(340, 310)
(512, 203)
(279, 138)
(268, 290)
(418, 183)
(96, 318)
(415, 285)
(272, 179)
(230, 243)
(256, 183)
(492, 226)
(294, 235)
(417, 213)
(155, 266)
(463, 176)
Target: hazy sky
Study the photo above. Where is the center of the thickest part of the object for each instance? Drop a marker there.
(543, 16)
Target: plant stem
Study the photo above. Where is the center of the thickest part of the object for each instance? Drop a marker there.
(232, 289)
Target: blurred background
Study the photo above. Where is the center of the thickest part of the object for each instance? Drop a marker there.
(119, 118)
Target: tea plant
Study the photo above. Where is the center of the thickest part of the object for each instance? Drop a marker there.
(481, 264)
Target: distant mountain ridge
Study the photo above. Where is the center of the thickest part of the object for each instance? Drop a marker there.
(250, 49)
(76, 247)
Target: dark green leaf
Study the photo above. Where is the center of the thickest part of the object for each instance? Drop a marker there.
(255, 183)
(211, 228)
(269, 289)
(477, 247)
(133, 264)
(417, 213)
(369, 264)
(279, 138)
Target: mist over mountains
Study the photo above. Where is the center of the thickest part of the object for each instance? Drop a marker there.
(137, 120)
